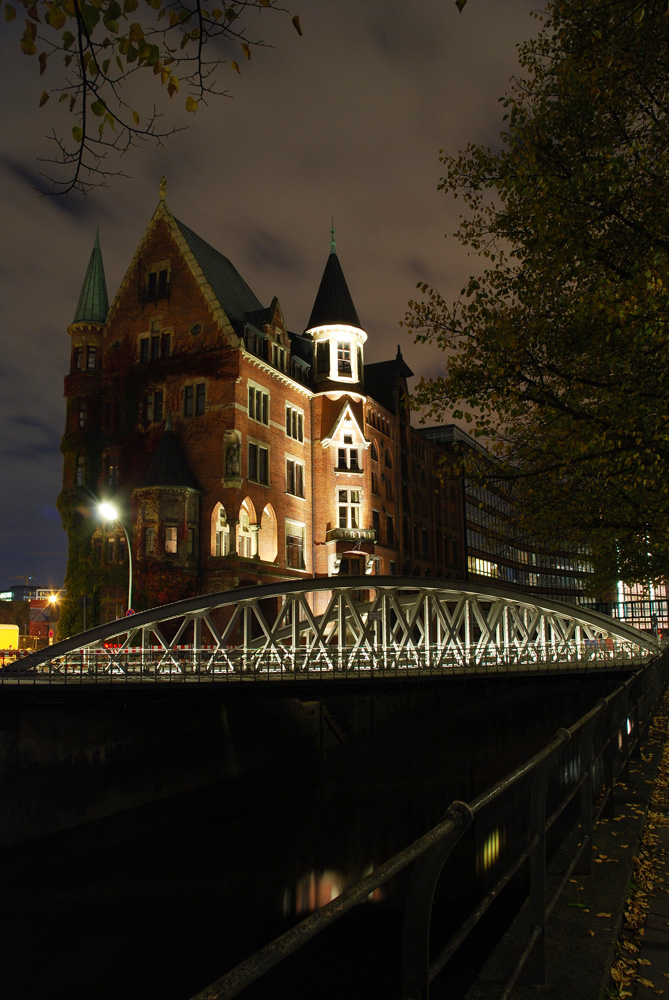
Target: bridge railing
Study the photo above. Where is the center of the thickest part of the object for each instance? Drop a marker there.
(189, 664)
(551, 802)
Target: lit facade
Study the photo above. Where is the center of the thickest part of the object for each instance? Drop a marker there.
(235, 450)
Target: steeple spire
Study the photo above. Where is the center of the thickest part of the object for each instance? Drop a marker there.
(93, 304)
(333, 245)
(333, 300)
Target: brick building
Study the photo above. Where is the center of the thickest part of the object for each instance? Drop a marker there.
(235, 450)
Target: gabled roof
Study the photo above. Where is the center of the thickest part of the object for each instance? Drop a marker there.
(333, 300)
(93, 304)
(168, 466)
(382, 377)
(346, 413)
(225, 281)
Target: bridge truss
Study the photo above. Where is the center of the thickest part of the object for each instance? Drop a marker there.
(329, 627)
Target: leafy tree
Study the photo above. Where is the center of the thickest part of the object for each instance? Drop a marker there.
(97, 46)
(558, 349)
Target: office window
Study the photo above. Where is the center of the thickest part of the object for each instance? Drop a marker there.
(171, 539)
(295, 544)
(258, 405)
(349, 508)
(294, 478)
(294, 424)
(258, 464)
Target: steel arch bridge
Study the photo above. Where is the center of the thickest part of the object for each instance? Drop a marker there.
(353, 626)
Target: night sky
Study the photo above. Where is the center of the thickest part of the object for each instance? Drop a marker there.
(346, 121)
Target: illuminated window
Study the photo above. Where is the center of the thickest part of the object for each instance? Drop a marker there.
(245, 538)
(294, 478)
(171, 539)
(258, 464)
(259, 405)
(348, 457)
(344, 357)
(221, 534)
(294, 424)
(348, 508)
(295, 544)
(92, 358)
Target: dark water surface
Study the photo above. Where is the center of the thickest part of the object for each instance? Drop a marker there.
(165, 913)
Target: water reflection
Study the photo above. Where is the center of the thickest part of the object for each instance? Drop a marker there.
(171, 911)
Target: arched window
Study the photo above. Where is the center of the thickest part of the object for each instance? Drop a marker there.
(267, 536)
(220, 531)
(247, 530)
(374, 455)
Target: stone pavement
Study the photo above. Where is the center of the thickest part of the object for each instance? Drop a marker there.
(584, 927)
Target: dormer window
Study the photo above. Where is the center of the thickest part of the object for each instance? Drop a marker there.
(348, 457)
(157, 284)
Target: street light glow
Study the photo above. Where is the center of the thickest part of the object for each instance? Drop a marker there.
(108, 511)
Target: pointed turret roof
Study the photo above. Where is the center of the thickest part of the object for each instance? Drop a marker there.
(93, 303)
(168, 467)
(333, 300)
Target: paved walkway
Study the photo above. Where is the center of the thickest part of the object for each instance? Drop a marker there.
(587, 932)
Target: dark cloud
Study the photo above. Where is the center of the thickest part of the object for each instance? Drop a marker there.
(267, 251)
(346, 121)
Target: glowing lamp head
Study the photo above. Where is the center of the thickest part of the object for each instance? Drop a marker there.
(108, 511)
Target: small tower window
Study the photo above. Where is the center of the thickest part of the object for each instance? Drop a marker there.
(344, 357)
(322, 358)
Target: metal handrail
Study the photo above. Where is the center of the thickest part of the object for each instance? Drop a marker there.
(603, 741)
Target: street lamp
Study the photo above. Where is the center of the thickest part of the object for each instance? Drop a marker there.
(109, 513)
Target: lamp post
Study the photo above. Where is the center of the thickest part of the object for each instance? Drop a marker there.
(109, 513)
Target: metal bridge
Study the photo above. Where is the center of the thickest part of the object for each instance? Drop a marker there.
(327, 628)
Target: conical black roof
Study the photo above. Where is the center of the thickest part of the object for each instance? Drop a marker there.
(168, 467)
(333, 300)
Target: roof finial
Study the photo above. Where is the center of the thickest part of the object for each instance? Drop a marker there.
(163, 187)
(333, 245)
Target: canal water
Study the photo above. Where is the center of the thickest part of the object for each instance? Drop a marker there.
(194, 887)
